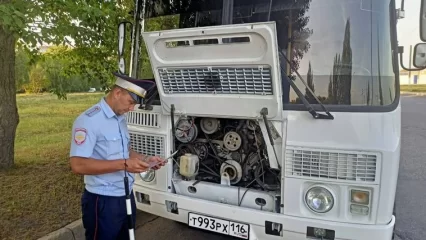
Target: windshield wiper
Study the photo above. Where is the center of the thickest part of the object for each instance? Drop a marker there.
(300, 94)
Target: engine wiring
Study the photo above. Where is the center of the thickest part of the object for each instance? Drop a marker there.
(235, 146)
(244, 194)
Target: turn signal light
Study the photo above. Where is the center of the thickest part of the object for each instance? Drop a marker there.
(360, 197)
(320, 233)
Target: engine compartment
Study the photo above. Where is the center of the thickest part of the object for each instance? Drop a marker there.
(229, 152)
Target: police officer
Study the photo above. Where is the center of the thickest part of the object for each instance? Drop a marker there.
(100, 150)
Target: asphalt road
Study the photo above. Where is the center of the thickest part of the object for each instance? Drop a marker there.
(411, 192)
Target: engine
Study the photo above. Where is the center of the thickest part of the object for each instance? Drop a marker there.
(224, 151)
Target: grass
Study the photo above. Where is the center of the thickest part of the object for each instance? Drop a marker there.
(413, 88)
(41, 194)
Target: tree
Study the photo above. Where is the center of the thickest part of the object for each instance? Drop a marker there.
(346, 68)
(57, 61)
(89, 26)
(22, 68)
(310, 83)
(155, 24)
(8, 110)
(339, 88)
(38, 82)
(330, 97)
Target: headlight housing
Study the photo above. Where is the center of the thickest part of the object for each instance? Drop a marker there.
(147, 176)
(319, 199)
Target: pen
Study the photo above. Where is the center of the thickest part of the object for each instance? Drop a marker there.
(151, 165)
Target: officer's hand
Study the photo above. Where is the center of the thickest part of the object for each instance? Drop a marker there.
(135, 165)
(155, 162)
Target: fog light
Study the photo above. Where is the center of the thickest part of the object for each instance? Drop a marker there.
(361, 210)
(360, 197)
(172, 207)
(319, 199)
(320, 233)
(142, 198)
(147, 176)
(273, 228)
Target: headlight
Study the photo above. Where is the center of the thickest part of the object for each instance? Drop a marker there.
(148, 176)
(319, 199)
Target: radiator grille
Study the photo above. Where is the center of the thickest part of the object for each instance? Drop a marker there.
(255, 81)
(147, 144)
(143, 119)
(331, 165)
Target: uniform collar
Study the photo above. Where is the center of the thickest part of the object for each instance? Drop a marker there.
(107, 109)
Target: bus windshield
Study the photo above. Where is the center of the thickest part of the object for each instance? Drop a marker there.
(343, 49)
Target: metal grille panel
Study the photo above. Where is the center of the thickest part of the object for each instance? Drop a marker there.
(254, 81)
(143, 119)
(146, 144)
(331, 165)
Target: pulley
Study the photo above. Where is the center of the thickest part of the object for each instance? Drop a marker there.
(209, 125)
(202, 150)
(233, 170)
(186, 130)
(232, 141)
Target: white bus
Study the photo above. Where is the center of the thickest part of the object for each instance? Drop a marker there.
(284, 115)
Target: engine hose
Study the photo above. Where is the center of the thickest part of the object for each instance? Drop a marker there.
(240, 125)
(220, 160)
(213, 148)
(210, 170)
(247, 160)
(244, 139)
(189, 147)
(244, 161)
(265, 186)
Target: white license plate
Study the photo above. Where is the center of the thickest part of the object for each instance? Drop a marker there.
(226, 227)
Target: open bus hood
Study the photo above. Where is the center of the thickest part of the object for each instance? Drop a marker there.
(216, 71)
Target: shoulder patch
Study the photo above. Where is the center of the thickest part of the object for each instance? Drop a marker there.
(80, 135)
(93, 111)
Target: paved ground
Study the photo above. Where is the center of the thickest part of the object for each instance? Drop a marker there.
(411, 192)
(411, 195)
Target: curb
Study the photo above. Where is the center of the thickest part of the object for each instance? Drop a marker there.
(414, 93)
(72, 231)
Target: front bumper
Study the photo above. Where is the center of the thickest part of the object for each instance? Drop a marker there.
(292, 227)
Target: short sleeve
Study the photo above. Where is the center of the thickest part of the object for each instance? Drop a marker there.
(83, 138)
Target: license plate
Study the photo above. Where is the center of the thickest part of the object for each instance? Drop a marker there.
(226, 227)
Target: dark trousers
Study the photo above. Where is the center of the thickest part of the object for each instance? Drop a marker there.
(105, 217)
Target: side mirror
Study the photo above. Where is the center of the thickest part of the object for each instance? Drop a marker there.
(419, 56)
(423, 21)
(121, 41)
(121, 37)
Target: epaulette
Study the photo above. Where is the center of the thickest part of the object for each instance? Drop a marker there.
(93, 111)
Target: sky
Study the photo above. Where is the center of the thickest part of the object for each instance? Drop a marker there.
(408, 27)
